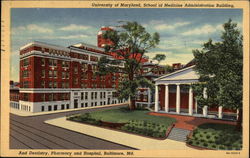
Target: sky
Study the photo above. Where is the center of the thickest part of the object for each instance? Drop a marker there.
(181, 30)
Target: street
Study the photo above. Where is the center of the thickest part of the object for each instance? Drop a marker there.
(32, 133)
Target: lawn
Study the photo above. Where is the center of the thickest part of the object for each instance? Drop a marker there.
(136, 121)
(216, 136)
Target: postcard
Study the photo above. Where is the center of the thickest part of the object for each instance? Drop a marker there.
(125, 78)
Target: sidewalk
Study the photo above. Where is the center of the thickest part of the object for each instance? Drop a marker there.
(25, 113)
(131, 140)
(190, 122)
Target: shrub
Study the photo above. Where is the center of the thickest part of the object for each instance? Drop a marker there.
(213, 146)
(205, 144)
(221, 147)
(208, 136)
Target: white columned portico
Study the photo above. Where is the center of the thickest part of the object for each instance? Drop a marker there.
(190, 101)
(166, 98)
(205, 107)
(156, 98)
(149, 97)
(196, 106)
(220, 112)
(178, 98)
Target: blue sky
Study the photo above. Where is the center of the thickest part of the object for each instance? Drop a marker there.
(181, 30)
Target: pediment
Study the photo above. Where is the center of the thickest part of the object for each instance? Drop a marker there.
(183, 74)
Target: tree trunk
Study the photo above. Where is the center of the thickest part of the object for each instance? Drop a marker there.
(131, 103)
(239, 121)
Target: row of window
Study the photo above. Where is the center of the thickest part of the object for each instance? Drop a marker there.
(54, 107)
(25, 107)
(14, 105)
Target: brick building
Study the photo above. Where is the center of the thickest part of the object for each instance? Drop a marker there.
(56, 78)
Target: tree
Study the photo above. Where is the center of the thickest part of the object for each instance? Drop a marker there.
(130, 43)
(220, 66)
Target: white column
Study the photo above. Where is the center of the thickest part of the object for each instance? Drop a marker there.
(166, 98)
(196, 106)
(190, 101)
(178, 98)
(205, 107)
(149, 97)
(205, 93)
(237, 117)
(156, 98)
(220, 112)
(205, 111)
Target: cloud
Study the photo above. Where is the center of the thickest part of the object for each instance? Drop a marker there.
(34, 27)
(72, 37)
(205, 29)
(73, 27)
(170, 26)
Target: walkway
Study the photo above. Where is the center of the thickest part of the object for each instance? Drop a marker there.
(190, 122)
(132, 140)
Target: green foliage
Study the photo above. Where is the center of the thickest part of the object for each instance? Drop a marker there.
(216, 136)
(220, 67)
(130, 43)
(159, 57)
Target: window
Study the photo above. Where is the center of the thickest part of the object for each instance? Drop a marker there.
(26, 84)
(84, 66)
(43, 62)
(43, 73)
(55, 84)
(42, 84)
(50, 97)
(63, 84)
(26, 62)
(50, 84)
(55, 74)
(82, 104)
(75, 70)
(42, 97)
(54, 62)
(55, 97)
(95, 95)
(26, 97)
(63, 75)
(50, 74)
(75, 103)
(50, 62)
(67, 106)
(83, 76)
(86, 95)
(82, 96)
(55, 107)
(104, 94)
(75, 81)
(62, 107)
(95, 103)
(67, 75)
(85, 57)
(101, 95)
(25, 73)
(49, 108)
(66, 85)
(92, 95)
(42, 108)
(86, 104)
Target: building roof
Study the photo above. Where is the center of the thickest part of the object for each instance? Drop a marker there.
(187, 75)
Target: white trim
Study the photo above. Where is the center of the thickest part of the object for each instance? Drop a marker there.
(43, 44)
(170, 74)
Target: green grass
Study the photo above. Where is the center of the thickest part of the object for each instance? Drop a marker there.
(137, 121)
(123, 115)
(216, 136)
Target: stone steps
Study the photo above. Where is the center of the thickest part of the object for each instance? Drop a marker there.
(178, 134)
